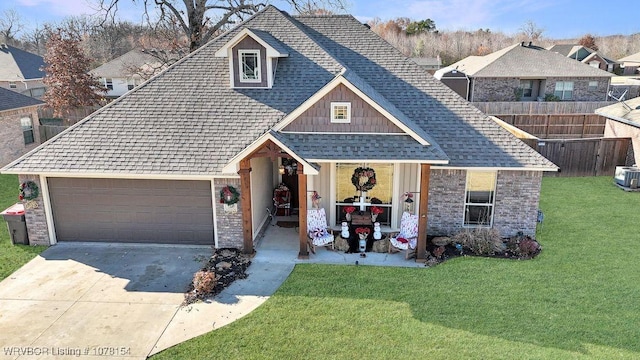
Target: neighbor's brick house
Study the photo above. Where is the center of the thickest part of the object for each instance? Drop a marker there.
(19, 125)
(150, 166)
(524, 72)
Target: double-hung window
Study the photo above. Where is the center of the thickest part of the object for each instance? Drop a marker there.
(108, 83)
(564, 90)
(27, 130)
(526, 88)
(249, 66)
(381, 195)
(479, 198)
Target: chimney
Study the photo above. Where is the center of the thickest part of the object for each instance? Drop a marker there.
(522, 43)
(529, 43)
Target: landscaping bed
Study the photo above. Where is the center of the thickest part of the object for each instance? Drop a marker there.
(225, 266)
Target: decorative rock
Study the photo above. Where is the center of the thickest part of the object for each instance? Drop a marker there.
(341, 244)
(441, 241)
(380, 246)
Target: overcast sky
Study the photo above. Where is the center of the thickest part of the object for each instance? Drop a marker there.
(559, 18)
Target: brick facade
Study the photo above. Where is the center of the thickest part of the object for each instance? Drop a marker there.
(35, 216)
(516, 203)
(12, 144)
(504, 89)
(228, 225)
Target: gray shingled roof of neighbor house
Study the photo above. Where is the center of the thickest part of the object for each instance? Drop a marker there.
(523, 61)
(189, 121)
(10, 100)
(629, 114)
(17, 64)
(126, 64)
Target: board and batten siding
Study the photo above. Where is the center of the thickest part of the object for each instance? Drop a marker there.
(261, 191)
(364, 118)
(248, 43)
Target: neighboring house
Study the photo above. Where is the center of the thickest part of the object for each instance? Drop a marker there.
(18, 125)
(429, 64)
(630, 64)
(128, 71)
(623, 120)
(525, 73)
(324, 93)
(586, 56)
(21, 71)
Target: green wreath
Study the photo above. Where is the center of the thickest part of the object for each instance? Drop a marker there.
(29, 190)
(229, 195)
(359, 176)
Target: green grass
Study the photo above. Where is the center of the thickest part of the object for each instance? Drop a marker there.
(577, 300)
(12, 257)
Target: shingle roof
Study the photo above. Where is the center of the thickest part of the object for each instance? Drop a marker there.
(16, 64)
(631, 58)
(187, 120)
(12, 100)
(628, 113)
(127, 64)
(526, 61)
(348, 146)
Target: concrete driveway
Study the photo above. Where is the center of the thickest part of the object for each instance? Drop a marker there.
(96, 301)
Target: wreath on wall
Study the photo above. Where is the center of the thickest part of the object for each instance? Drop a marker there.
(29, 191)
(364, 179)
(229, 195)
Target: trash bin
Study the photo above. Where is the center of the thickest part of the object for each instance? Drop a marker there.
(14, 216)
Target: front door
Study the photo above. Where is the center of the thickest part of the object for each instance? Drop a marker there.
(290, 178)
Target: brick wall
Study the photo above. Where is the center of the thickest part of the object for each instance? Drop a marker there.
(516, 204)
(228, 225)
(11, 138)
(446, 201)
(581, 91)
(35, 217)
(504, 89)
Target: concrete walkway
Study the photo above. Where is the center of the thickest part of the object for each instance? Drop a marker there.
(115, 301)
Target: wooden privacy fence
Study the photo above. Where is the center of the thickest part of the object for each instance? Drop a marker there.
(542, 108)
(71, 118)
(558, 126)
(49, 131)
(583, 157)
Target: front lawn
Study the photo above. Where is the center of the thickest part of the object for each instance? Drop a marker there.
(12, 257)
(577, 300)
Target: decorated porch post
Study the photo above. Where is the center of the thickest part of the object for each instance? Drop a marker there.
(245, 198)
(421, 247)
(302, 212)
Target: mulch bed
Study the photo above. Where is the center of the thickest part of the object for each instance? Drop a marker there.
(223, 267)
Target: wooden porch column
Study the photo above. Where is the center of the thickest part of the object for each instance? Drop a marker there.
(245, 198)
(302, 213)
(421, 247)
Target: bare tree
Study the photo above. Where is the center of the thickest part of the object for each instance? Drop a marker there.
(34, 40)
(10, 26)
(200, 20)
(531, 31)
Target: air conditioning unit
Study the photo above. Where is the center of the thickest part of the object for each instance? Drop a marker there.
(627, 176)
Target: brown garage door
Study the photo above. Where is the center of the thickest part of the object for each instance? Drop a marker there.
(122, 210)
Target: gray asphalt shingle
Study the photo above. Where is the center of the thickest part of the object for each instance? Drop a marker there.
(188, 121)
(12, 100)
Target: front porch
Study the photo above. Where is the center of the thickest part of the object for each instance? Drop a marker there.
(281, 245)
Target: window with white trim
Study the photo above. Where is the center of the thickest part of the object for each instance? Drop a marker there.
(593, 85)
(479, 198)
(13, 85)
(564, 90)
(249, 69)
(108, 83)
(526, 88)
(27, 130)
(381, 195)
(133, 82)
(341, 112)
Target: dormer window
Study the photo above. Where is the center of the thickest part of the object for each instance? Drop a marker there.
(341, 112)
(249, 66)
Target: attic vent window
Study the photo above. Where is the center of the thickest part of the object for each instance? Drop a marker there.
(249, 66)
(341, 112)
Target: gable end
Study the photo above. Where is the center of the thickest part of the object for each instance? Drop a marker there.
(364, 118)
